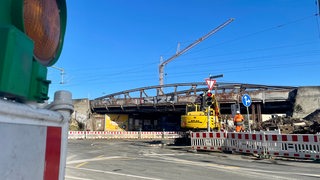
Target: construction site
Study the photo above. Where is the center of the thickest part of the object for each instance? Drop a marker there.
(299, 114)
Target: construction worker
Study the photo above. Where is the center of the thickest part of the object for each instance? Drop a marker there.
(238, 122)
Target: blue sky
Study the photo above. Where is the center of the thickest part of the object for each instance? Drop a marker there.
(115, 45)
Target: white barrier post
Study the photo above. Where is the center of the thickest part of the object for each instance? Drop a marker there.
(264, 145)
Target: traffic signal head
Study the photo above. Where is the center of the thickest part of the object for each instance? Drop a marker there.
(31, 39)
(208, 98)
(44, 23)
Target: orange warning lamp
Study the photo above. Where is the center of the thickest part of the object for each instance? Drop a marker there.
(31, 39)
(42, 24)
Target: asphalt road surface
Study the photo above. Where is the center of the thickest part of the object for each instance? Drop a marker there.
(130, 159)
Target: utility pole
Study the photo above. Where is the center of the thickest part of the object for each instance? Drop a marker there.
(61, 73)
(178, 53)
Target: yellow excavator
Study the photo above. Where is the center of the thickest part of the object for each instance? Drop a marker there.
(196, 117)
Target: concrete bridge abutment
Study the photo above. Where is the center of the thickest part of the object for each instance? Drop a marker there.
(307, 101)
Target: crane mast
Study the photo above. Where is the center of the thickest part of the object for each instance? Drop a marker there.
(178, 53)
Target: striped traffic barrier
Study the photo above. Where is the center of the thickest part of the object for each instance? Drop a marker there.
(243, 142)
(265, 144)
(123, 135)
(76, 135)
(304, 146)
(212, 141)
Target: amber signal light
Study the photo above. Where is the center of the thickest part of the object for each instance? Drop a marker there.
(42, 25)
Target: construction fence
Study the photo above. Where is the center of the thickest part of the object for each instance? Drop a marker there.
(124, 135)
(263, 144)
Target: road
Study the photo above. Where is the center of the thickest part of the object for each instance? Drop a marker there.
(131, 159)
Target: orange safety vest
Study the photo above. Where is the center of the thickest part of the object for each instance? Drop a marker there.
(238, 120)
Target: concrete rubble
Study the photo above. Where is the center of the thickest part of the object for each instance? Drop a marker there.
(288, 125)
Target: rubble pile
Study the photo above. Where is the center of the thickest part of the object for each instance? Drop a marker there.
(289, 125)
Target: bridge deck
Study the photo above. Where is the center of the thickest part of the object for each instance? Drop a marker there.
(161, 99)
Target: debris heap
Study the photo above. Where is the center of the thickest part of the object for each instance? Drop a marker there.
(288, 125)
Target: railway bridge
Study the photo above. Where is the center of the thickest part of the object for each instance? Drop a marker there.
(166, 103)
(174, 97)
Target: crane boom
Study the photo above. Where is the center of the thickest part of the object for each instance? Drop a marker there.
(161, 66)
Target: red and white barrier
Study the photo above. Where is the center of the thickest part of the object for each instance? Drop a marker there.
(123, 135)
(34, 140)
(76, 135)
(245, 142)
(213, 141)
(304, 146)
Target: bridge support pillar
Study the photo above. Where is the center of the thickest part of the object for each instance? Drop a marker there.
(256, 115)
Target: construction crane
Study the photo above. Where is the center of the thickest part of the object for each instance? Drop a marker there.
(178, 53)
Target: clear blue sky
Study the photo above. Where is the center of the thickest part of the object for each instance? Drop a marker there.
(115, 45)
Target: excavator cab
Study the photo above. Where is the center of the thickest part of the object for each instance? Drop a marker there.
(196, 119)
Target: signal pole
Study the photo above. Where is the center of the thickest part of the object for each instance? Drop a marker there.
(208, 122)
(208, 97)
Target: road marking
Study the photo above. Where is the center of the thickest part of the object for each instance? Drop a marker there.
(93, 159)
(78, 178)
(82, 164)
(115, 173)
(71, 157)
(280, 172)
(154, 154)
(225, 168)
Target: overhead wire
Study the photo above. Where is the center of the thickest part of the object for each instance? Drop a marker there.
(133, 71)
(147, 75)
(266, 64)
(253, 68)
(245, 36)
(246, 60)
(107, 72)
(116, 76)
(251, 34)
(256, 50)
